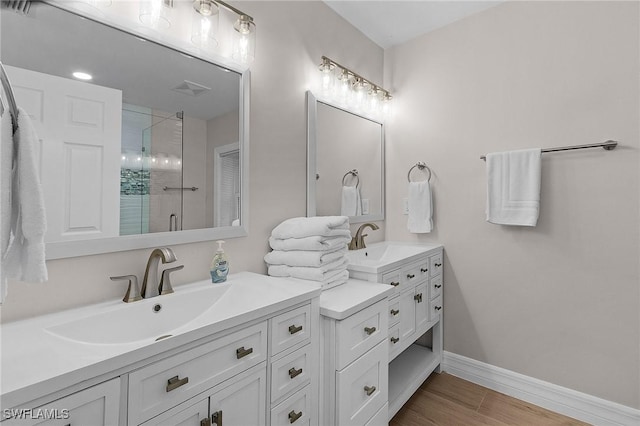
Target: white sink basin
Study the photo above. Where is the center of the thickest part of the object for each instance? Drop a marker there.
(152, 318)
(384, 256)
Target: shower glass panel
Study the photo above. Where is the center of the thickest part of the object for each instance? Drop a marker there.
(151, 173)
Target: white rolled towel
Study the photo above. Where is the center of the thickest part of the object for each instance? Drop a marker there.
(322, 273)
(300, 227)
(313, 243)
(304, 258)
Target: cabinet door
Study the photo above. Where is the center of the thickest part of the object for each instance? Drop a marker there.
(194, 415)
(421, 299)
(242, 402)
(96, 406)
(407, 315)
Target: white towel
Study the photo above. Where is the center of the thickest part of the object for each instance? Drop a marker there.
(420, 218)
(313, 243)
(304, 258)
(351, 202)
(336, 280)
(6, 168)
(25, 256)
(300, 227)
(513, 187)
(322, 273)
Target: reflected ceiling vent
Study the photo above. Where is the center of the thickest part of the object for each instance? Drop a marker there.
(190, 88)
(20, 6)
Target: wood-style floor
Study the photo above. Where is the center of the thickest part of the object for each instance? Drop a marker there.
(444, 399)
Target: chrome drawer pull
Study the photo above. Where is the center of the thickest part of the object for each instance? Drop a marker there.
(369, 330)
(438, 285)
(395, 340)
(369, 390)
(293, 372)
(424, 270)
(395, 284)
(395, 312)
(216, 418)
(293, 416)
(294, 329)
(410, 276)
(175, 383)
(242, 352)
(418, 297)
(437, 265)
(437, 308)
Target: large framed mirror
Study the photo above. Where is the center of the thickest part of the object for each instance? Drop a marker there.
(153, 150)
(345, 163)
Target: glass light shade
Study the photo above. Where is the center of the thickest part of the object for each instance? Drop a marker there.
(204, 24)
(244, 40)
(326, 68)
(342, 88)
(155, 14)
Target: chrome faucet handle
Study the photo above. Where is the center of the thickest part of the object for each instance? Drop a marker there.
(165, 282)
(133, 291)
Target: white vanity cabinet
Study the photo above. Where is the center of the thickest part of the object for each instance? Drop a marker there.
(98, 405)
(414, 314)
(254, 361)
(354, 354)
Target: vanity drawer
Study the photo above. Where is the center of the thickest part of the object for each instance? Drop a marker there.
(360, 332)
(393, 278)
(381, 418)
(167, 383)
(435, 309)
(436, 286)
(394, 341)
(415, 273)
(394, 311)
(290, 372)
(362, 387)
(295, 410)
(435, 264)
(290, 328)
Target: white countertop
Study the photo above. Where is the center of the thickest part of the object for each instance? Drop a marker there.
(35, 363)
(347, 299)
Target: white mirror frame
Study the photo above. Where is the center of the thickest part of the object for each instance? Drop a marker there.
(312, 122)
(59, 250)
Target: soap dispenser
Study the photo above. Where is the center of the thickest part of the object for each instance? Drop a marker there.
(219, 265)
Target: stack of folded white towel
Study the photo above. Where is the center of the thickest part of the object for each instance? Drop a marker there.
(311, 248)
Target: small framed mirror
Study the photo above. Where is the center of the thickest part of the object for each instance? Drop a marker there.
(345, 163)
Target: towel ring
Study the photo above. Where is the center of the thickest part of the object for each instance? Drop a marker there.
(420, 165)
(354, 173)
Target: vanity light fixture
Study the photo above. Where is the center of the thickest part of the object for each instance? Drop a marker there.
(205, 26)
(348, 88)
(156, 13)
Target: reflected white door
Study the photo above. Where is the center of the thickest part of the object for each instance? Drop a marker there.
(79, 126)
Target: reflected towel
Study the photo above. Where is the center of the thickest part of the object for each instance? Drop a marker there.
(420, 218)
(25, 256)
(313, 243)
(351, 202)
(513, 187)
(300, 227)
(304, 258)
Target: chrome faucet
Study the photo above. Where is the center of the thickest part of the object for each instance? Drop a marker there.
(150, 283)
(357, 242)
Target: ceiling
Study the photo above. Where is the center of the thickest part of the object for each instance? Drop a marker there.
(392, 22)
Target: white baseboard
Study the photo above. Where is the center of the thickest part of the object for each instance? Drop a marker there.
(578, 405)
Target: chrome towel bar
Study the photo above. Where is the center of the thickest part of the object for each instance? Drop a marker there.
(608, 145)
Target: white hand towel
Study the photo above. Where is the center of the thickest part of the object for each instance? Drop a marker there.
(300, 227)
(313, 243)
(6, 169)
(25, 256)
(323, 273)
(513, 187)
(351, 202)
(420, 218)
(304, 258)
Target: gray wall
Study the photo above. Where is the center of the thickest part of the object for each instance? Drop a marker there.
(558, 302)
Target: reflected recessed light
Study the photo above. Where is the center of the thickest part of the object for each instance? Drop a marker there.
(82, 75)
